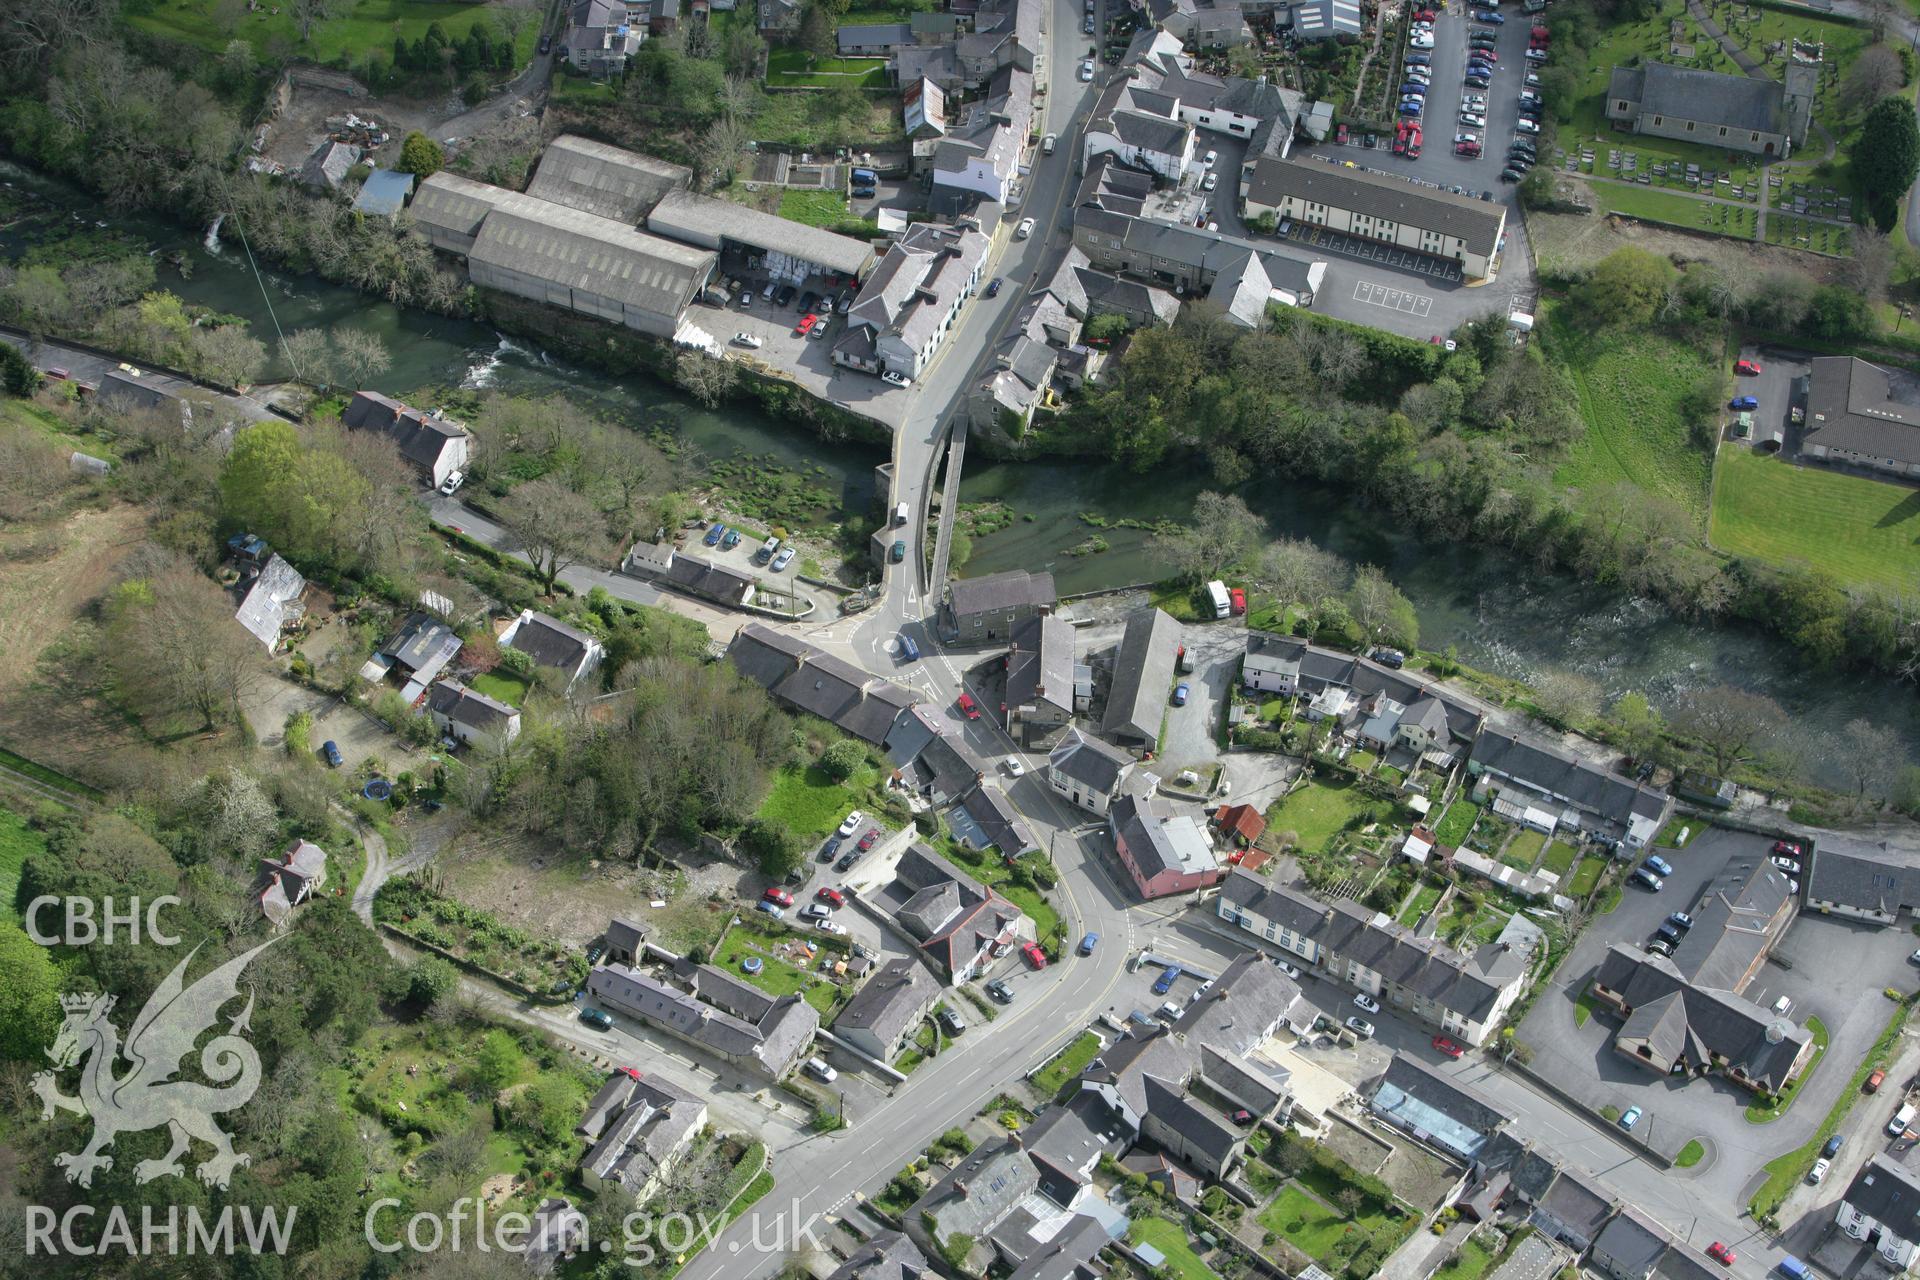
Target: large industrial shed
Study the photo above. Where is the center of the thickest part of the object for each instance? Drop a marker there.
(589, 264)
(449, 209)
(790, 250)
(596, 178)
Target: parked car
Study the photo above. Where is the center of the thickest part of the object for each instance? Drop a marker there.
(781, 561)
(1088, 943)
(993, 286)
(895, 379)
(1168, 976)
(1024, 230)
(1660, 864)
(1720, 1253)
(1366, 1002)
(1874, 1081)
(1788, 847)
(1749, 403)
(831, 847)
(1000, 991)
(830, 896)
(1487, 15)
(1832, 1148)
(1180, 692)
(806, 324)
(1291, 970)
(1360, 1027)
(778, 913)
(1013, 767)
(816, 911)
(868, 840)
(1512, 173)
(777, 896)
(1086, 70)
(1680, 920)
(1630, 1117)
(850, 823)
(1447, 1047)
(1035, 956)
(909, 649)
(1473, 120)
(1646, 879)
(598, 1019)
(968, 707)
(330, 750)
(1209, 182)
(1660, 947)
(819, 1070)
(847, 860)
(952, 1021)
(1420, 40)
(1788, 865)
(546, 45)
(783, 295)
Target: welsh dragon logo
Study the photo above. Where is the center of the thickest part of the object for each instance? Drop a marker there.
(147, 1096)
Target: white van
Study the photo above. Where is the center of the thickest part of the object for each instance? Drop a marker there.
(901, 515)
(1217, 592)
(1901, 1119)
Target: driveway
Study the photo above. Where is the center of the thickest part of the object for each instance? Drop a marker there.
(355, 732)
(1216, 650)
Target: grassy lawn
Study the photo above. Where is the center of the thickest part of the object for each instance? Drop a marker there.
(802, 119)
(501, 685)
(1470, 1263)
(17, 840)
(1363, 761)
(1304, 1222)
(1586, 876)
(1456, 822)
(1066, 1064)
(1767, 1114)
(777, 977)
(53, 778)
(811, 802)
(1421, 903)
(1784, 1171)
(1661, 206)
(1861, 532)
(1318, 811)
(1559, 859)
(1523, 849)
(579, 91)
(1583, 1007)
(816, 208)
(1690, 1155)
(1630, 387)
(1170, 1240)
(792, 68)
(370, 25)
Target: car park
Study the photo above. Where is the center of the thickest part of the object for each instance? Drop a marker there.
(1630, 1117)
(1360, 1027)
(1473, 120)
(1646, 879)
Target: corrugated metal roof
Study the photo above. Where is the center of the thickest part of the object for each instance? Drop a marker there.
(608, 181)
(594, 255)
(699, 219)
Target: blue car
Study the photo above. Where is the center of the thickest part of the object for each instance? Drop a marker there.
(1743, 402)
(1180, 692)
(1660, 864)
(1488, 15)
(1630, 1117)
(331, 751)
(714, 535)
(1088, 943)
(993, 287)
(1419, 60)
(1168, 976)
(909, 649)
(1413, 89)
(1409, 108)
(599, 1019)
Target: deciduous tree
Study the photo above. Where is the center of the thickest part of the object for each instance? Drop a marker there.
(554, 526)
(1727, 724)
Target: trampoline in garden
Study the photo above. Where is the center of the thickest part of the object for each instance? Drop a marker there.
(751, 964)
(377, 789)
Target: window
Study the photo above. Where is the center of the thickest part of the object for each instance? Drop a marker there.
(1656, 119)
(1723, 131)
(1753, 137)
(1621, 105)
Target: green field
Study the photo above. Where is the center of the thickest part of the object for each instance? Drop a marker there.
(811, 803)
(1630, 386)
(1860, 532)
(776, 977)
(1456, 823)
(1317, 812)
(372, 25)
(1586, 876)
(17, 841)
(1678, 210)
(1170, 1240)
(1304, 1222)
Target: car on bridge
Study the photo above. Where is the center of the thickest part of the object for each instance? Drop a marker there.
(899, 551)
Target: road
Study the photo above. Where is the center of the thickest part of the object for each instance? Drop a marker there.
(87, 367)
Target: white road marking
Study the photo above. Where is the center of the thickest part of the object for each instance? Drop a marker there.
(1392, 299)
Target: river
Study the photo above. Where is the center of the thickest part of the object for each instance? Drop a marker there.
(1504, 616)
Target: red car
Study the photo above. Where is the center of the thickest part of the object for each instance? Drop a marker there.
(968, 707)
(778, 897)
(1747, 367)
(1035, 956)
(1340, 135)
(1786, 848)
(1720, 1254)
(1447, 1047)
(1239, 599)
(825, 894)
(806, 323)
(867, 840)
(1425, 15)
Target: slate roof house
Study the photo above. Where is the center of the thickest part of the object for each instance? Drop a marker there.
(695, 575)
(974, 1197)
(807, 678)
(1863, 881)
(982, 610)
(1446, 1113)
(1882, 1206)
(884, 1014)
(713, 1010)
(471, 717)
(558, 1231)
(887, 1255)
(419, 651)
(1688, 1012)
(910, 301)
(958, 922)
(1087, 771)
(1534, 1184)
(434, 446)
(1040, 697)
(599, 38)
(272, 602)
(1629, 1246)
(1464, 996)
(553, 644)
(637, 1128)
(1543, 787)
(289, 879)
(1164, 852)
(1853, 417)
(1733, 112)
(1143, 671)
